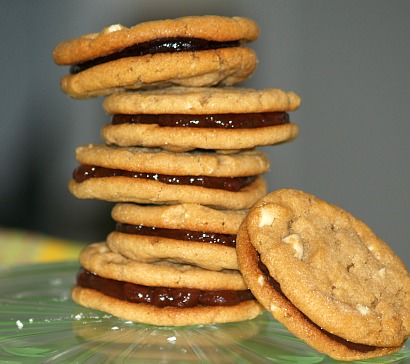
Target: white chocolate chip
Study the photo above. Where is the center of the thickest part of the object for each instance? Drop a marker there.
(374, 250)
(267, 217)
(273, 307)
(382, 272)
(364, 310)
(261, 280)
(296, 242)
(112, 28)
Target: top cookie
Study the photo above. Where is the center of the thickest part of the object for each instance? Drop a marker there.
(117, 37)
(191, 51)
(332, 267)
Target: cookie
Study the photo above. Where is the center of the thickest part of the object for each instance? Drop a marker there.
(225, 66)
(102, 175)
(190, 51)
(118, 37)
(160, 293)
(156, 160)
(184, 233)
(325, 275)
(186, 118)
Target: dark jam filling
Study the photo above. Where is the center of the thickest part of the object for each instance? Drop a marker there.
(216, 121)
(178, 234)
(84, 172)
(350, 345)
(161, 296)
(162, 45)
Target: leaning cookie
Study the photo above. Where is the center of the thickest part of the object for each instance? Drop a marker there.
(186, 118)
(154, 176)
(184, 233)
(189, 51)
(161, 293)
(325, 275)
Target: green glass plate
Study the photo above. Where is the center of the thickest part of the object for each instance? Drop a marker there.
(39, 323)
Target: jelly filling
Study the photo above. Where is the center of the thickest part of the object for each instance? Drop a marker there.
(84, 172)
(215, 121)
(161, 45)
(161, 296)
(178, 234)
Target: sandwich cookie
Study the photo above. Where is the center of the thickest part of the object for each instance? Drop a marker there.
(187, 118)
(183, 233)
(161, 293)
(188, 51)
(155, 176)
(325, 275)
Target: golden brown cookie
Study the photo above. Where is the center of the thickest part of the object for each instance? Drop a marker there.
(206, 100)
(182, 216)
(118, 37)
(325, 275)
(186, 118)
(152, 176)
(190, 51)
(155, 160)
(185, 233)
(161, 293)
(124, 189)
(225, 66)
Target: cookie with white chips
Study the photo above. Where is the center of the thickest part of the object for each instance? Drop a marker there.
(325, 275)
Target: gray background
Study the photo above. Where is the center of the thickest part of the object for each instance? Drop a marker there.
(349, 61)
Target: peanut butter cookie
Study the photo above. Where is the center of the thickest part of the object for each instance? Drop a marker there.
(325, 275)
(185, 233)
(186, 118)
(152, 176)
(189, 51)
(160, 293)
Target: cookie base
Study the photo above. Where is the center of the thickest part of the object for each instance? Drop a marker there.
(167, 316)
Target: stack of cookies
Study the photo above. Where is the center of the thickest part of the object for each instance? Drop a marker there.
(179, 161)
(197, 239)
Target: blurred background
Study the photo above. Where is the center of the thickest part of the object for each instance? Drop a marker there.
(348, 60)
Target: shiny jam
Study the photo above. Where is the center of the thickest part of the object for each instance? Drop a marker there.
(161, 296)
(178, 234)
(84, 172)
(161, 45)
(215, 121)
